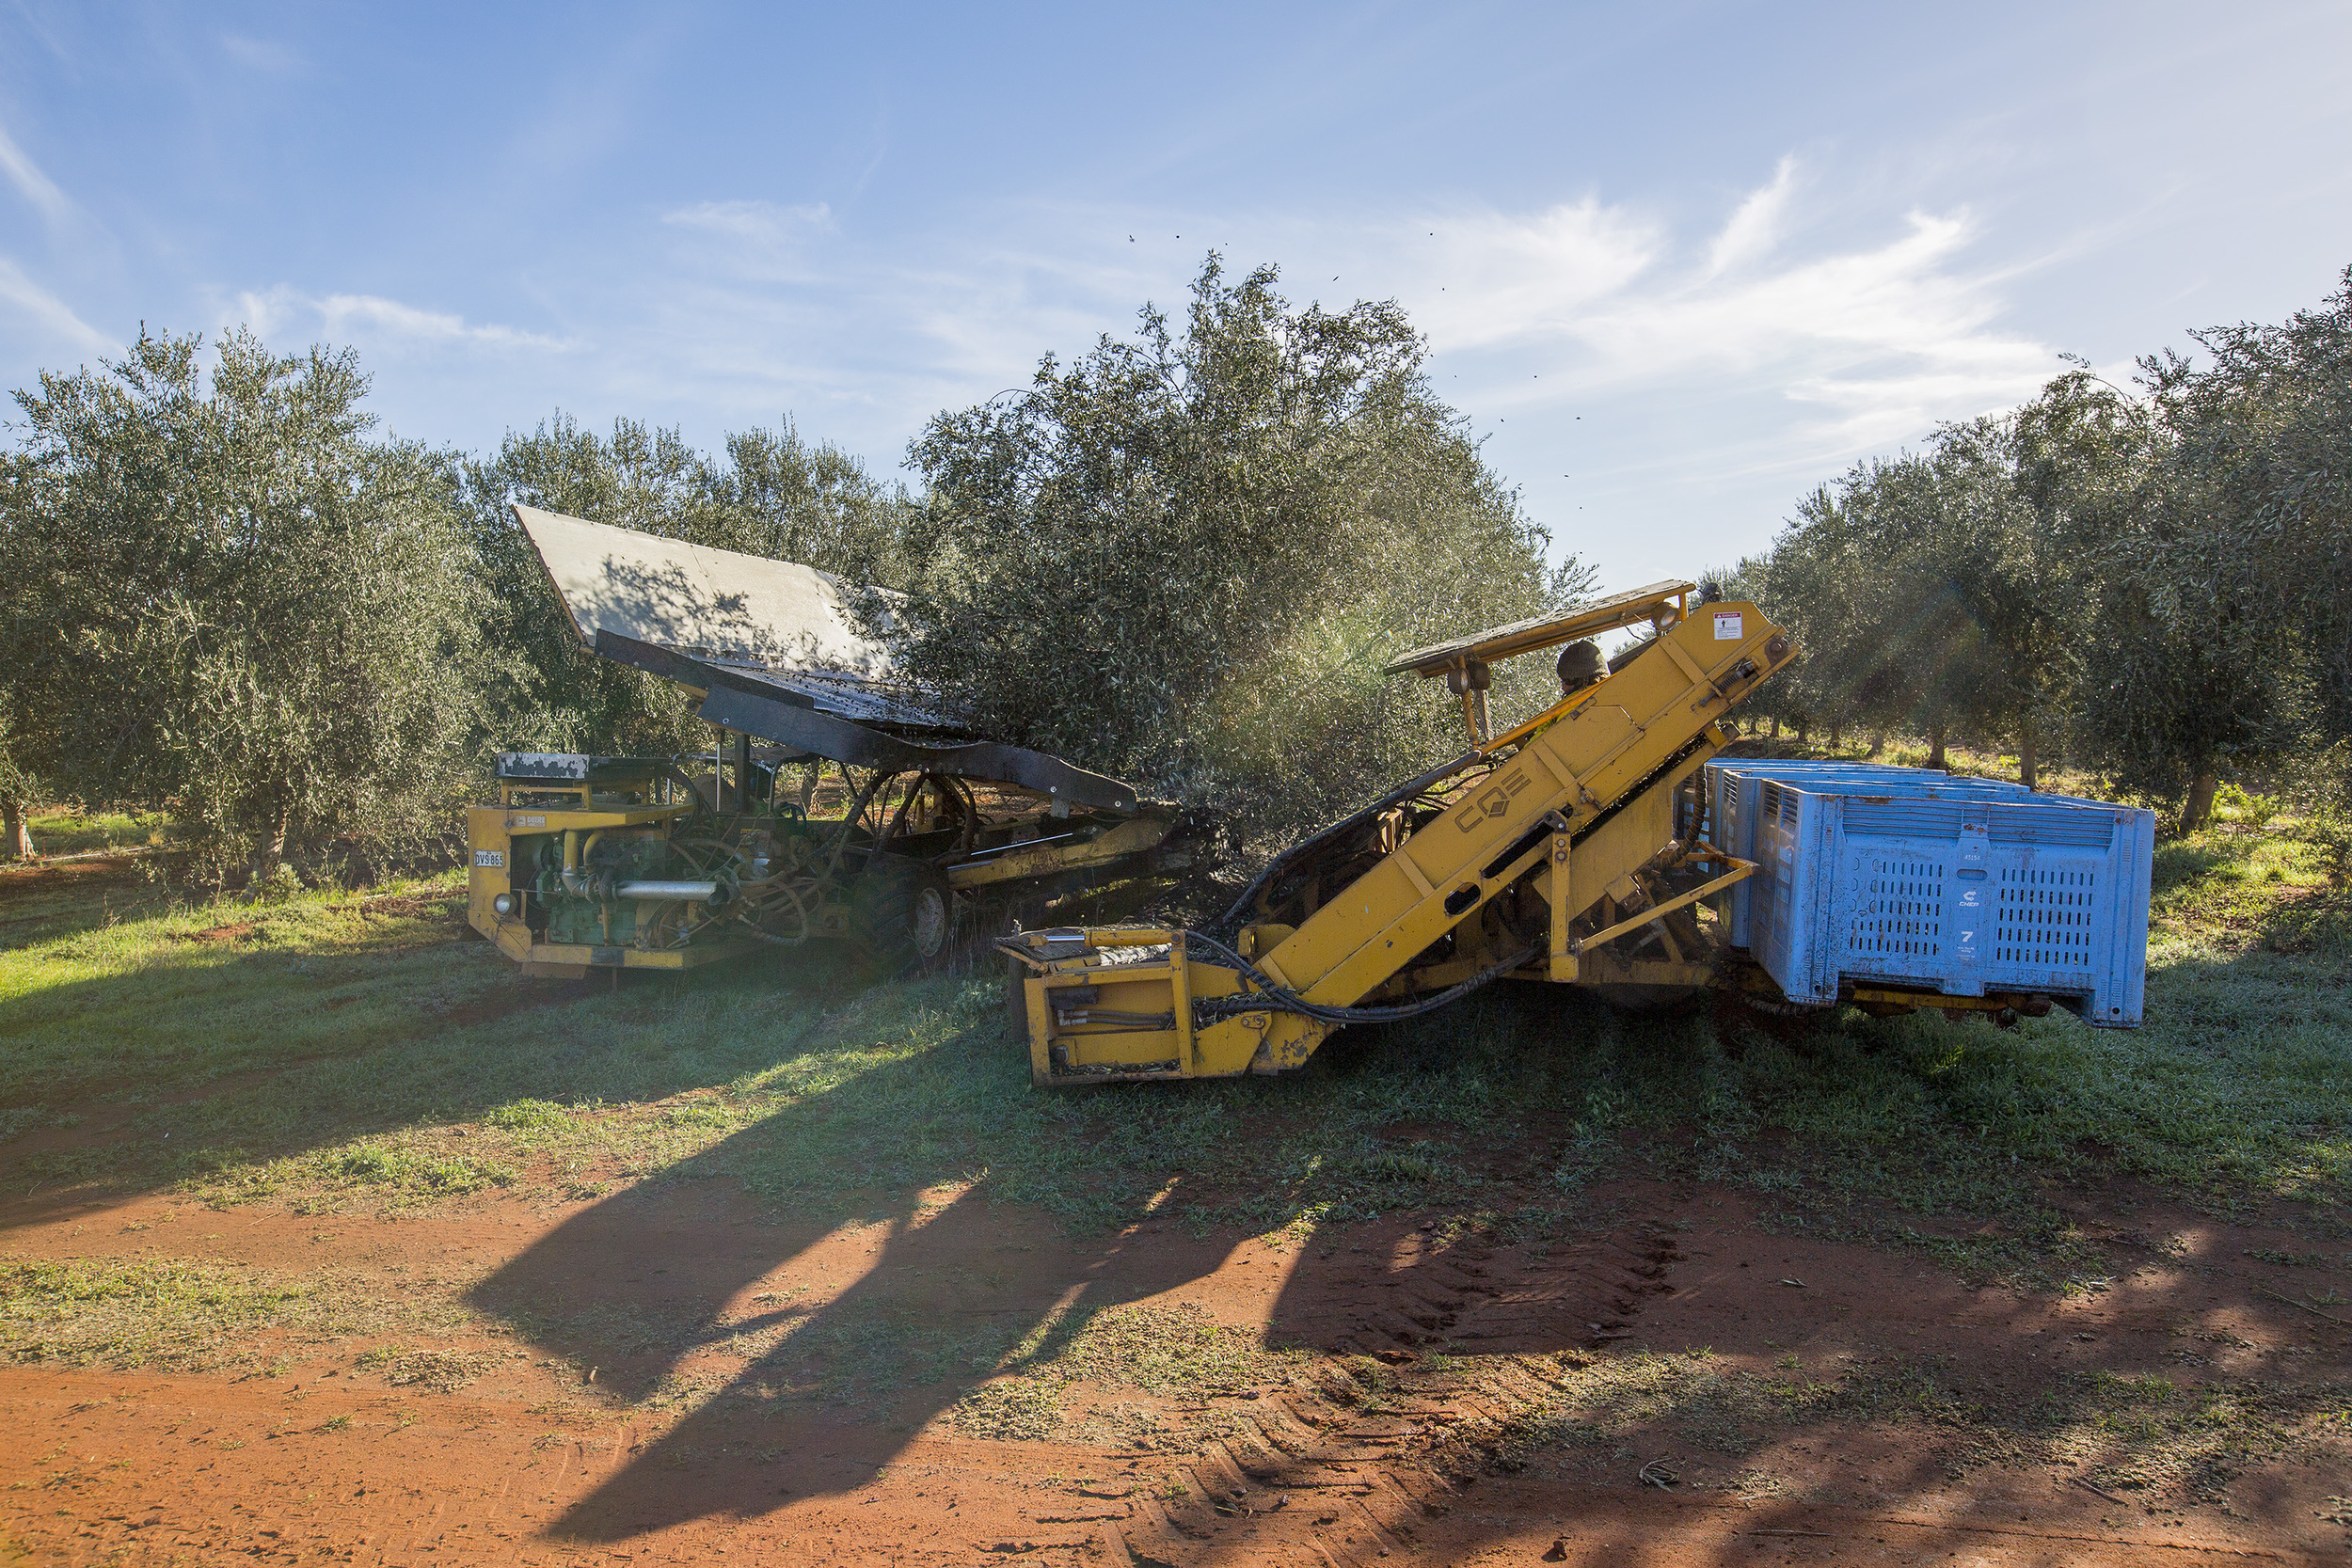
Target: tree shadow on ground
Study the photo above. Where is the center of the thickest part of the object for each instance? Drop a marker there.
(55, 898)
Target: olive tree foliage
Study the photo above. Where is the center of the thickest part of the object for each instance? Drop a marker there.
(771, 494)
(1183, 557)
(2228, 617)
(2187, 674)
(2263, 424)
(226, 601)
(1944, 592)
(1878, 579)
(2153, 580)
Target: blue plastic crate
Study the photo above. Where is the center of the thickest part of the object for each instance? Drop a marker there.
(1960, 893)
(1735, 785)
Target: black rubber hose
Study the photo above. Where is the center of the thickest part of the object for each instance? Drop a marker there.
(1281, 998)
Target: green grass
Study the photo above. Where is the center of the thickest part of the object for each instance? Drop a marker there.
(140, 1007)
(65, 831)
(1148, 1349)
(180, 1313)
(332, 1051)
(2139, 1434)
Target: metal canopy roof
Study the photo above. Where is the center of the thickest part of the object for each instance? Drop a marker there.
(791, 626)
(1544, 631)
(773, 648)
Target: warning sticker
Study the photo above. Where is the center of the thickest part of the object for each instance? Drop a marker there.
(494, 857)
(1727, 627)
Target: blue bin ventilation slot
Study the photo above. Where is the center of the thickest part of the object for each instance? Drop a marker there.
(1904, 912)
(2046, 917)
(1735, 805)
(1918, 880)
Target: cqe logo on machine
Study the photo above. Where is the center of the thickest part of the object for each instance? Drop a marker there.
(1493, 802)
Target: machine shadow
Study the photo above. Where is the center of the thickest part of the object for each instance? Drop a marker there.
(815, 1320)
(884, 1309)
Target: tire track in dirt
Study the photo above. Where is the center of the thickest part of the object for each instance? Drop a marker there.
(1432, 1367)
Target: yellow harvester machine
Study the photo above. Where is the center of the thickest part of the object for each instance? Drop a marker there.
(667, 863)
(1568, 849)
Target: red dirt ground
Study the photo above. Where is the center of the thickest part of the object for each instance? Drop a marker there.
(529, 1463)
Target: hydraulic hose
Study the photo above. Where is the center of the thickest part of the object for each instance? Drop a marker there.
(1281, 998)
(575, 874)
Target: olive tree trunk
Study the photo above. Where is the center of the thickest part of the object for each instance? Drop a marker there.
(2197, 809)
(16, 834)
(270, 853)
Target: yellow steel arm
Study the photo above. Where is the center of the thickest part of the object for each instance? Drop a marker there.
(1740, 871)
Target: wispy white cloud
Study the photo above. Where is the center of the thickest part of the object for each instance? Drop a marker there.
(264, 55)
(761, 222)
(1494, 278)
(1870, 341)
(385, 322)
(1900, 297)
(756, 241)
(1754, 228)
(1805, 348)
(30, 182)
(1730, 364)
(50, 315)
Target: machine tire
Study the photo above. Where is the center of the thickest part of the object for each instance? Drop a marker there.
(902, 915)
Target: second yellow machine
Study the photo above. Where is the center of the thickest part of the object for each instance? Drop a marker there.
(1569, 849)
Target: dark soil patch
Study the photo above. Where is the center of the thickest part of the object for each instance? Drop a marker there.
(386, 904)
(242, 931)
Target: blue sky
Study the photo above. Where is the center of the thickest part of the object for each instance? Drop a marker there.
(1678, 262)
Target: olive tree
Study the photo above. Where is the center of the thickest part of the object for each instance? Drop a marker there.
(1949, 590)
(2155, 577)
(1185, 556)
(2263, 425)
(229, 603)
(2223, 638)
